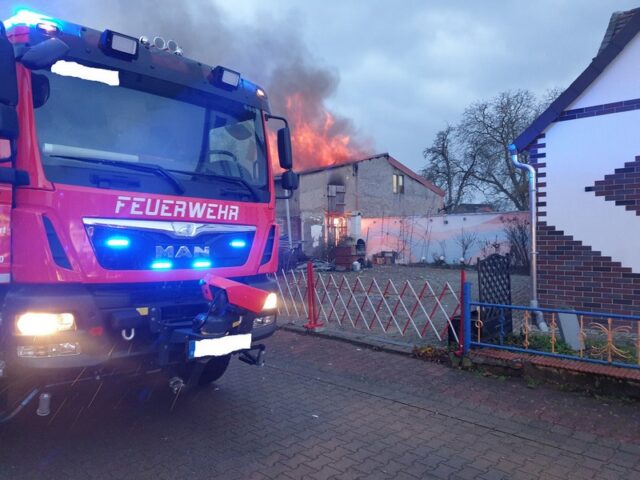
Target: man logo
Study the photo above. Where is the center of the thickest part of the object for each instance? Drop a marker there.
(182, 252)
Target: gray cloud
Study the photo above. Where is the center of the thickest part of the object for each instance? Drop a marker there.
(399, 70)
(409, 67)
(270, 52)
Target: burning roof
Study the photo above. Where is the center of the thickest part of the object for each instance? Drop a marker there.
(319, 138)
(392, 161)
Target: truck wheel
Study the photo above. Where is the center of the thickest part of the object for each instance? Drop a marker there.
(213, 370)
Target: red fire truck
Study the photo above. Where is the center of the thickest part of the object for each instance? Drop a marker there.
(137, 211)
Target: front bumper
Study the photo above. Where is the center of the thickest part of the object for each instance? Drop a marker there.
(260, 332)
(106, 317)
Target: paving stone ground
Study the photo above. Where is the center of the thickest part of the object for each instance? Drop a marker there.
(325, 409)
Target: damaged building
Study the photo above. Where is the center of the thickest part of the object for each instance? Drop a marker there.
(331, 201)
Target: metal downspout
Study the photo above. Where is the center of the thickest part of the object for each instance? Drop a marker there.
(533, 211)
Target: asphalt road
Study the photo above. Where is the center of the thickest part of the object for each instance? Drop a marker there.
(324, 409)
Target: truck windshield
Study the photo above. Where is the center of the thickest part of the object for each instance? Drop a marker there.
(87, 130)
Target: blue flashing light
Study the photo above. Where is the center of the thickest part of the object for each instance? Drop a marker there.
(238, 243)
(29, 19)
(161, 265)
(118, 242)
(201, 263)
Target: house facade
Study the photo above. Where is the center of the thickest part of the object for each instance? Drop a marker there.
(331, 201)
(586, 150)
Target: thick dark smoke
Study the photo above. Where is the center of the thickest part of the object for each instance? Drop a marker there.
(270, 54)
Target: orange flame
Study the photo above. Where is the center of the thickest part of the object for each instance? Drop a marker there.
(316, 142)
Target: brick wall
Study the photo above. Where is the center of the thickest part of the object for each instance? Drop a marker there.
(621, 187)
(572, 274)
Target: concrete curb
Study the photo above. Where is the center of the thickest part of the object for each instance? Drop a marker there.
(565, 374)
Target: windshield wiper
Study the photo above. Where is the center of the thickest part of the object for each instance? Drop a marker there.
(237, 180)
(141, 167)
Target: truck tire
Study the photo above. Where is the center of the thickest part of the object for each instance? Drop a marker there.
(213, 370)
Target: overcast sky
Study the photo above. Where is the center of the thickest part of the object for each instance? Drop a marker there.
(401, 69)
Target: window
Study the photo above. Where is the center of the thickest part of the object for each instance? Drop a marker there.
(336, 229)
(150, 122)
(398, 183)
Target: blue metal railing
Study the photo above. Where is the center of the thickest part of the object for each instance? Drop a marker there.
(609, 348)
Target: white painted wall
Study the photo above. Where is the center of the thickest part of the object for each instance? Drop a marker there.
(579, 152)
(424, 238)
(619, 81)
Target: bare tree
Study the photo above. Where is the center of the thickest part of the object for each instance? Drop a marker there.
(473, 157)
(491, 126)
(548, 97)
(516, 230)
(490, 247)
(440, 258)
(465, 241)
(449, 169)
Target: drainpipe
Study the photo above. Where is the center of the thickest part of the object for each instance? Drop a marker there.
(542, 325)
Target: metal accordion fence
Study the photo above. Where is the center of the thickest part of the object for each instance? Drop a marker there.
(601, 338)
(414, 311)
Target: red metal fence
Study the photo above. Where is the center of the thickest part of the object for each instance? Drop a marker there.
(415, 311)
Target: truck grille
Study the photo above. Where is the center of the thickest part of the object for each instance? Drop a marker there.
(118, 248)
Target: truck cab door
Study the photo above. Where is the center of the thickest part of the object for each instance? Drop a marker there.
(8, 135)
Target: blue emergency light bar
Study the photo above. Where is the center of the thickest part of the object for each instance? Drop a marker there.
(29, 19)
(118, 242)
(201, 263)
(162, 265)
(45, 23)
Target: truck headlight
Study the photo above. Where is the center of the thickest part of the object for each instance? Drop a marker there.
(41, 324)
(271, 302)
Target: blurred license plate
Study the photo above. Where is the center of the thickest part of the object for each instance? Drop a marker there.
(216, 347)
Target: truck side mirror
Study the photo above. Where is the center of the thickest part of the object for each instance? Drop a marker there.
(285, 154)
(290, 180)
(40, 89)
(45, 54)
(8, 79)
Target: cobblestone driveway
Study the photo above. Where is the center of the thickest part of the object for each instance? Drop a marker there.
(327, 409)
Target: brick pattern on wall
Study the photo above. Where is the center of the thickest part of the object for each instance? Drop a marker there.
(621, 187)
(537, 159)
(573, 275)
(596, 110)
